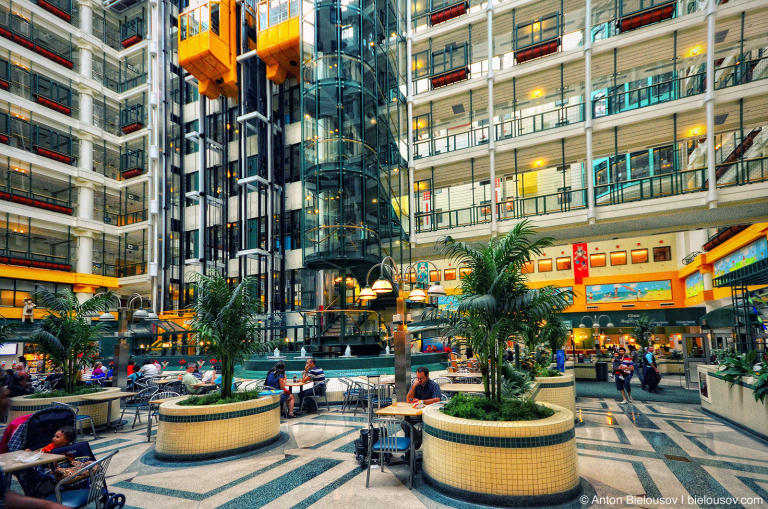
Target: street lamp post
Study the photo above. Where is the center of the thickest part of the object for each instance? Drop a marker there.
(595, 326)
(401, 337)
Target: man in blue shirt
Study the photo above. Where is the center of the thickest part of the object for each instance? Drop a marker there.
(315, 374)
(428, 392)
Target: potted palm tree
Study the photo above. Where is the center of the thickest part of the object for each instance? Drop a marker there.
(70, 338)
(226, 317)
(495, 304)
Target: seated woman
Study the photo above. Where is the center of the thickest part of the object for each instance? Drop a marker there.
(276, 378)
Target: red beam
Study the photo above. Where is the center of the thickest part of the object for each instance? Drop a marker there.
(55, 10)
(53, 105)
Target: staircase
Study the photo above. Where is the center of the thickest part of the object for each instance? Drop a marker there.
(736, 154)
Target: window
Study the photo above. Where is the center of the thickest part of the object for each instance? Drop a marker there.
(597, 260)
(464, 272)
(527, 268)
(215, 17)
(434, 276)
(619, 258)
(662, 254)
(449, 274)
(411, 277)
(183, 28)
(563, 263)
(639, 255)
(545, 265)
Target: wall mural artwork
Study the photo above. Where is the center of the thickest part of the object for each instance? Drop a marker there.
(694, 285)
(747, 255)
(639, 291)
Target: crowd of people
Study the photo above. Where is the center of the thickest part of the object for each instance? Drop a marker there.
(277, 380)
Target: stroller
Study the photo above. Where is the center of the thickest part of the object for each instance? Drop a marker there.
(84, 486)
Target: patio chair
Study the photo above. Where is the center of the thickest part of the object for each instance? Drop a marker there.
(139, 403)
(316, 398)
(388, 443)
(284, 410)
(96, 473)
(351, 393)
(79, 419)
(160, 395)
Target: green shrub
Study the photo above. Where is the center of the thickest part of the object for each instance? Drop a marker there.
(516, 382)
(546, 371)
(61, 394)
(215, 398)
(480, 409)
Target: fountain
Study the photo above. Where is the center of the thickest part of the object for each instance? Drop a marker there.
(303, 353)
(386, 350)
(276, 353)
(348, 352)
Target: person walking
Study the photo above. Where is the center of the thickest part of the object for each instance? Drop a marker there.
(623, 367)
(637, 360)
(652, 377)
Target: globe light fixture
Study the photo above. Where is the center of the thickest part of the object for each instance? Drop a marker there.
(140, 314)
(436, 290)
(382, 286)
(417, 295)
(107, 317)
(367, 294)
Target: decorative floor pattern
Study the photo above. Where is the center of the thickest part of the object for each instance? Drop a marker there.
(642, 455)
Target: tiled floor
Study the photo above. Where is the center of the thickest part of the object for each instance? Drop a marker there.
(649, 450)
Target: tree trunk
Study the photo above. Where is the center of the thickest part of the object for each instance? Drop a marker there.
(227, 376)
(500, 364)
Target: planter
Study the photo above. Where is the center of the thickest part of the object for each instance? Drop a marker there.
(24, 405)
(671, 367)
(520, 463)
(585, 371)
(200, 432)
(558, 390)
(732, 402)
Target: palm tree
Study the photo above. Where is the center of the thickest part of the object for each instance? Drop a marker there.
(227, 316)
(66, 333)
(554, 333)
(495, 303)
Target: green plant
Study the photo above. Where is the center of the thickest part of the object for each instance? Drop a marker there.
(227, 316)
(60, 393)
(216, 398)
(734, 367)
(484, 409)
(66, 333)
(643, 330)
(516, 384)
(675, 355)
(495, 303)
(547, 371)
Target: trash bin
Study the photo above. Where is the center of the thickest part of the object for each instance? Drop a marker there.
(601, 369)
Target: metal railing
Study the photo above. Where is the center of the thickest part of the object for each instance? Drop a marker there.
(125, 219)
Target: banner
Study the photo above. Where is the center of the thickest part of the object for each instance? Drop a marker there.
(580, 264)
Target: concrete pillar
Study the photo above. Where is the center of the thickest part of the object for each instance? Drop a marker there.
(709, 102)
(588, 111)
(86, 16)
(491, 125)
(85, 192)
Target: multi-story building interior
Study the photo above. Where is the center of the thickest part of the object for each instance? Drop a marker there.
(331, 134)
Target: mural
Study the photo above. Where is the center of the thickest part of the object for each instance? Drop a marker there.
(630, 292)
(747, 255)
(694, 284)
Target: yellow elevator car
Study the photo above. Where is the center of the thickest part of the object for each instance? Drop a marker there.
(278, 38)
(208, 45)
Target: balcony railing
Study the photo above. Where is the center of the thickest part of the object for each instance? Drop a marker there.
(132, 118)
(125, 219)
(60, 8)
(36, 39)
(678, 183)
(132, 163)
(131, 32)
(31, 258)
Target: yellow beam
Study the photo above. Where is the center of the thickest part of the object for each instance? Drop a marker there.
(82, 282)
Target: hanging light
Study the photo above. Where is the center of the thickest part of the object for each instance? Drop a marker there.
(152, 316)
(436, 290)
(367, 294)
(417, 295)
(107, 317)
(141, 314)
(382, 286)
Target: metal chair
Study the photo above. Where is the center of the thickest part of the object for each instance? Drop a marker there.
(316, 398)
(351, 393)
(79, 419)
(389, 443)
(93, 494)
(139, 403)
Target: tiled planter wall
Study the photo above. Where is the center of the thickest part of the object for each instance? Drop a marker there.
(733, 402)
(198, 432)
(518, 463)
(559, 390)
(23, 405)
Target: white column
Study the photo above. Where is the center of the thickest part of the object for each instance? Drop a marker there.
(86, 16)
(588, 111)
(491, 129)
(709, 101)
(409, 102)
(85, 193)
(84, 252)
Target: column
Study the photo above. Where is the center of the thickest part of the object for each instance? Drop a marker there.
(84, 261)
(85, 192)
(491, 127)
(709, 102)
(588, 111)
(86, 15)
(409, 103)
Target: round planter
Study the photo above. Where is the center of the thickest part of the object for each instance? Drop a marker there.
(24, 405)
(200, 432)
(558, 390)
(520, 463)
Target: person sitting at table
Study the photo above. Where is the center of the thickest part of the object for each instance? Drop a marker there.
(197, 374)
(315, 374)
(276, 379)
(189, 380)
(56, 379)
(423, 390)
(97, 371)
(149, 369)
(209, 376)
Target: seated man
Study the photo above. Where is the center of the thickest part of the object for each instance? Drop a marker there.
(428, 392)
(189, 379)
(315, 374)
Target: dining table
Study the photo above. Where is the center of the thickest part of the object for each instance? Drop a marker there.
(400, 409)
(21, 460)
(108, 396)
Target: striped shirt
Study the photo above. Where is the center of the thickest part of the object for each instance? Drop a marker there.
(317, 375)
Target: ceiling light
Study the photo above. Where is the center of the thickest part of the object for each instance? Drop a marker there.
(382, 286)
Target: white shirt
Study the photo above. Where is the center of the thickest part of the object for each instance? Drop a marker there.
(149, 369)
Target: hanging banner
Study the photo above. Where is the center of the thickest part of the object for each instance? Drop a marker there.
(580, 265)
